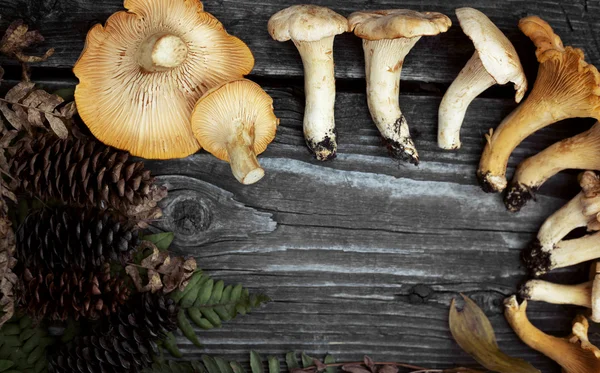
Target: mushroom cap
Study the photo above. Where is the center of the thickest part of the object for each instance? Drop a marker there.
(148, 113)
(222, 108)
(306, 23)
(496, 52)
(397, 23)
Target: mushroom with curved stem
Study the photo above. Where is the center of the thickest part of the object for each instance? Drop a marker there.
(142, 73)
(312, 28)
(575, 353)
(550, 250)
(388, 36)
(578, 152)
(235, 122)
(566, 87)
(586, 294)
(495, 61)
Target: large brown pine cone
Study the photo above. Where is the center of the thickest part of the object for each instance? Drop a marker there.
(73, 238)
(72, 293)
(85, 172)
(8, 279)
(123, 343)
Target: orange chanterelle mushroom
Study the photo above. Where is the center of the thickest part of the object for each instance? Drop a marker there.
(141, 74)
(235, 122)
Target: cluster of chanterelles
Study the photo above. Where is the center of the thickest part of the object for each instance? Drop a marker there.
(553, 250)
(154, 76)
(566, 87)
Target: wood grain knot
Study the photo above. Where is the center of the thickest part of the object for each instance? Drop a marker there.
(191, 216)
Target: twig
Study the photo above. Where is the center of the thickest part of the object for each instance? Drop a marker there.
(360, 363)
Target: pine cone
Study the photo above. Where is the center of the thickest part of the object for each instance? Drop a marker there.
(73, 238)
(85, 172)
(58, 295)
(7, 262)
(124, 343)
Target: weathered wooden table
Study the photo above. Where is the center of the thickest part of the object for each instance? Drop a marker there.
(361, 255)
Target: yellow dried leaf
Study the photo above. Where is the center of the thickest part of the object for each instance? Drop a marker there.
(473, 332)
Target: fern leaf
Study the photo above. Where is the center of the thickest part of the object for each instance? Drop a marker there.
(209, 303)
(256, 364)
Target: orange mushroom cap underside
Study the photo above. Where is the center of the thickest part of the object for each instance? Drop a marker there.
(148, 113)
(218, 111)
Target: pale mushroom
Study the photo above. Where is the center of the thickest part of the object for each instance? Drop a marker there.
(235, 122)
(312, 28)
(566, 87)
(577, 152)
(586, 294)
(388, 36)
(550, 250)
(142, 73)
(495, 61)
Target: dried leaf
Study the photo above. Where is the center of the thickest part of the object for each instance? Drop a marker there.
(354, 368)
(25, 107)
(162, 271)
(319, 364)
(474, 334)
(462, 370)
(388, 369)
(17, 38)
(370, 364)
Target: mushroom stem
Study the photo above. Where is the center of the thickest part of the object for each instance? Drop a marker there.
(319, 87)
(562, 222)
(578, 152)
(244, 165)
(579, 250)
(383, 67)
(574, 354)
(472, 80)
(544, 291)
(569, 217)
(533, 114)
(161, 52)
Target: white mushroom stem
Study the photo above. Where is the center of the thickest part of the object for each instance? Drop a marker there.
(383, 67)
(544, 291)
(571, 252)
(240, 148)
(595, 299)
(319, 87)
(470, 83)
(162, 52)
(562, 222)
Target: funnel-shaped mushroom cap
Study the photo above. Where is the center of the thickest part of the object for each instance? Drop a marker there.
(306, 23)
(236, 119)
(496, 52)
(397, 23)
(142, 73)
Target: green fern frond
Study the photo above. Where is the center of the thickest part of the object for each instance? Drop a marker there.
(23, 346)
(208, 303)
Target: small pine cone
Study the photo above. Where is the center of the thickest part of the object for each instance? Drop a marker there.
(85, 172)
(73, 238)
(123, 343)
(72, 293)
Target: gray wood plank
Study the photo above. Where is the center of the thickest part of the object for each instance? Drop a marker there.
(434, 59)
(368, 253)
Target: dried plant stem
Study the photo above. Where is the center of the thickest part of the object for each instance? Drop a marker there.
(360, 363)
